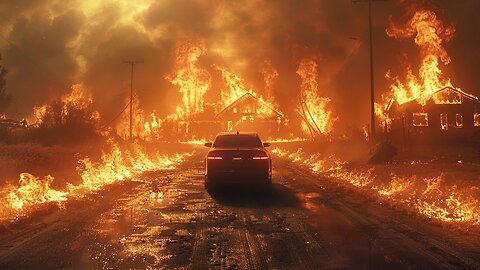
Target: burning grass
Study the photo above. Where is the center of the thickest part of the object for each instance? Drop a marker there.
(116, 165)
(440, 196)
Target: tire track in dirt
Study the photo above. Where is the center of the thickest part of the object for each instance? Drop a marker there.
(398, 239)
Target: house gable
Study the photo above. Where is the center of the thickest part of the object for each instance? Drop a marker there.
(248, 104)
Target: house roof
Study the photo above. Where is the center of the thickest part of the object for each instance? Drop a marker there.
(460, 91)
(456, 90)
(245, 97)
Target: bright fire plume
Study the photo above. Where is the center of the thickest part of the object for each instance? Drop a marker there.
(270, 74)
(115, 165)
(193, 81)
(429, 33)
(235, 88)
(317, 118)
(427, 196)
(60, 111)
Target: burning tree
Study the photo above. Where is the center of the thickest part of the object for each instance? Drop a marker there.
(69, 119)
(317, 119)
(193, 81)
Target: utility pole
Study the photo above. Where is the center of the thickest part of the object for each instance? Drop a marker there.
(132, 63)
(372, 78)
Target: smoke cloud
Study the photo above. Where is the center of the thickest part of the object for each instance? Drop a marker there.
(49, 45)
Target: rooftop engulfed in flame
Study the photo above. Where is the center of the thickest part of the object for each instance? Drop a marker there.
(429, 33)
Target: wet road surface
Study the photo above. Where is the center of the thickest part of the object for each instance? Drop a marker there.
(168, 221)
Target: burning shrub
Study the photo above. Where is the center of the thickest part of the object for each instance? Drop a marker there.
(68, 120)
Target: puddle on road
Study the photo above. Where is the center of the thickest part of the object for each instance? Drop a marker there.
(149, 228)
(353, 244)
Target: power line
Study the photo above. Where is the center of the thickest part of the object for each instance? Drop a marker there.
(119, 114)
(132, 63)
(372, 79)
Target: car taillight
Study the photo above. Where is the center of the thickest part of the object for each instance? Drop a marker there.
(216, 158)
(259, 158)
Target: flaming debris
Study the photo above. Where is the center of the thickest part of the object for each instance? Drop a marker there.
(317, 119)
(115, 166)
(427, 196)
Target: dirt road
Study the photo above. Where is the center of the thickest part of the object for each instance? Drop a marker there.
(167, 220)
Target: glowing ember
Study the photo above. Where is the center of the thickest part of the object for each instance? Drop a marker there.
(317, 119)
(427, 196)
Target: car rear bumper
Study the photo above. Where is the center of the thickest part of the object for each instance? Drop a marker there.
(237, 177)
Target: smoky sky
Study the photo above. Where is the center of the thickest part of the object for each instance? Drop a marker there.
(48, 45)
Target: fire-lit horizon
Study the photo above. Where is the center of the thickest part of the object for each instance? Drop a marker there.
(82, 47)
(259, 134)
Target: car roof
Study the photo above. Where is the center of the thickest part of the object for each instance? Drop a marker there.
(237, 133)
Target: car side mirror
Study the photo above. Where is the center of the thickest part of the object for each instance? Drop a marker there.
(266, 144)
(208, 144)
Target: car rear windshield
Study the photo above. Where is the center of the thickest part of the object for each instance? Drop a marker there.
(237, 141)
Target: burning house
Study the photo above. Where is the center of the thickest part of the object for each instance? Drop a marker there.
(249, 113)
(448, 114)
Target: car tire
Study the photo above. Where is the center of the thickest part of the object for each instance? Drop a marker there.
(208, 184)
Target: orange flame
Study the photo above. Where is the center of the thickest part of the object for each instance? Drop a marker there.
(32, 191)
(427, 196)
(77, 99)
(270, 74)
(193, 81)
(429, 33)
(116, 165)
(235, 86)
(317, 119)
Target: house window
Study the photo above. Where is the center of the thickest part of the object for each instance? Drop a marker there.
(476, 119)
(244, 118)
(444, 121)
(235, 110)
(459, 120)
(420, 119)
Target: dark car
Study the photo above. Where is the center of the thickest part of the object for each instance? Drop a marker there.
(237, 158)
